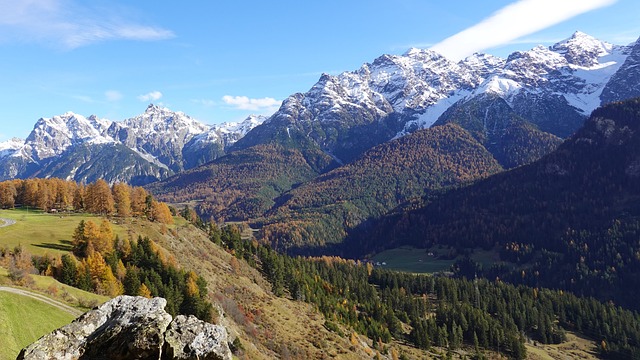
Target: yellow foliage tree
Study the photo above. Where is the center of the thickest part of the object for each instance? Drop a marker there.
(160, 212)
(98, 198)
(122, 197)
(103, 243)
(144, 291)
(192, 286)
(138, 201)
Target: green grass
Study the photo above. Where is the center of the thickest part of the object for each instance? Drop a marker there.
(42, 233)
(413, 260)
(23, 320)
(67, 294)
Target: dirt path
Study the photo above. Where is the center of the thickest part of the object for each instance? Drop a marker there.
(54, 303)
(6, 222)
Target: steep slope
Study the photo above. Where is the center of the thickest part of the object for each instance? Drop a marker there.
(575, 211)
(349, 113)
(111, 162)
(159, 132)
(323, 211)
(512, 140)
(625, 83)
(243, 184)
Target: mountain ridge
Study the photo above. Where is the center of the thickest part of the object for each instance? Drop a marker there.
(150, 146)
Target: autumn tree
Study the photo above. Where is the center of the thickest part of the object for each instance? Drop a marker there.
(98, 198)
(78, 198)
(103, 243)
(138, 201)
(160, 212)
(102, 278)
(8, 193)
(122, 197)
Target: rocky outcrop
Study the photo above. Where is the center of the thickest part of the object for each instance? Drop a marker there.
(190, 338)
(129, 327)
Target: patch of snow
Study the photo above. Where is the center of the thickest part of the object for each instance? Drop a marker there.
(9, 147)
(431, 114)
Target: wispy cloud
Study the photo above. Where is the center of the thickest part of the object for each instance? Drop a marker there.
(113, 95)
(71, 24)
(152, 96)
(246, 103)
(518, 19)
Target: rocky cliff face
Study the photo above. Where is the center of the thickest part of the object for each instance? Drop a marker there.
(129, 327)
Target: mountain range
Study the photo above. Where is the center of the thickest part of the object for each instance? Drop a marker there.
(139, 150)
(519, 109)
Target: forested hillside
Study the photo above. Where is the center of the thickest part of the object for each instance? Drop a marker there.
(511, 139)
(574, 212)
(245, 183)
(327, 208)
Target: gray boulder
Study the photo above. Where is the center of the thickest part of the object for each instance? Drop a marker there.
(131, 327)
(192, 339)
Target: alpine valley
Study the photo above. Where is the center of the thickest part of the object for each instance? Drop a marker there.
(516, 181)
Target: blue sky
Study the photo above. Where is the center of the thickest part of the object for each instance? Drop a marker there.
(221, 60)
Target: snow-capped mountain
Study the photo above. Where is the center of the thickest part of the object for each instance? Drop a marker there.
(554, 88)
(9, 147)
(144, 148)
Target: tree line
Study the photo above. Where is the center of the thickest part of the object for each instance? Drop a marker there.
(98, 197)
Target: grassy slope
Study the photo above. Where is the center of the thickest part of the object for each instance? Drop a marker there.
(42, 233)
(23, 320)
(75, 297)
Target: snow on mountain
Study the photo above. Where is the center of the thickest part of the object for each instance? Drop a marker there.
(52, 136)
(583, 50)
(10, 146)
(156, 140)
(398, 94)
(157, 128)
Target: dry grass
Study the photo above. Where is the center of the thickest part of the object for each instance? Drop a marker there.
(575, 347)
(269, 327)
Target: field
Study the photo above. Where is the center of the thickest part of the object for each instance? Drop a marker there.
(42, 233)
(432, 260)
(23, 320)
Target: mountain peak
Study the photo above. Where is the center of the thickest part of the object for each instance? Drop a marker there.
(582, 49)
(153, 108)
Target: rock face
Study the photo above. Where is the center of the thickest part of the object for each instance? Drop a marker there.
(129, 327)
(190, 338)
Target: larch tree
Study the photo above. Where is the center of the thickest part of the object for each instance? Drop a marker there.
(138, 198)
(99, 199)
(78, 197)
(8, 193)
(122, 197)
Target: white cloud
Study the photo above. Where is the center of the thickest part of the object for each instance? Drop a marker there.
(70, 23)
(518, 19)
(112, 95)
(152, 96)
(246, 103)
